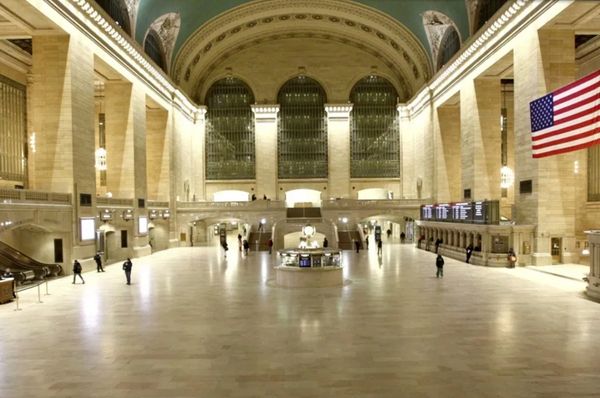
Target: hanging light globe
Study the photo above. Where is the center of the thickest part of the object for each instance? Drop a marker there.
(507, 177)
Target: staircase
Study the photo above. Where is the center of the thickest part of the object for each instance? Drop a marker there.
(262, 238)
(346, 239)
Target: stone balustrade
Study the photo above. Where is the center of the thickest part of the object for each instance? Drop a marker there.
(25, 195)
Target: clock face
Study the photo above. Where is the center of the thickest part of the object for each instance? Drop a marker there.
(309, 230)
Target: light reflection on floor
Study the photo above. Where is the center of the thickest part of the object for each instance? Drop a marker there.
(196, 324)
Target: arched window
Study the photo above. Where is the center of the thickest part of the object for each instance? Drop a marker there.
(375, 136)
(229, 131)
(302, 138)
(449, 45)
(117, 9)
(154, 49)
(485, 11)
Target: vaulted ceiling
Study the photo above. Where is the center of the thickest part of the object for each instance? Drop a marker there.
(195, 13)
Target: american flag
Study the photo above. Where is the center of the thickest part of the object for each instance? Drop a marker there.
(567, 119)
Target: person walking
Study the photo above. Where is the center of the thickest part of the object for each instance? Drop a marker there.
(367, 242)
(512, 258)
(127, 266)
(240, 242)
(246, 247)
(77, 271)
(98, 260)
(469, 252)
(439, 264)
(225, 248)
(357, 245)
(380, 247)
(270, 244)
(325, 243)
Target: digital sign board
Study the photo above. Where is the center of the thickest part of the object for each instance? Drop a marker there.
(480, 212)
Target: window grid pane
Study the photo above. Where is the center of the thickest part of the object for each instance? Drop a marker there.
(13, 131)
(375, 136)
(229, 131)
(302, 138)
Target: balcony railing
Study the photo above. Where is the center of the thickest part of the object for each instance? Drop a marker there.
(244, 206)
(114, 202)
(24, 195)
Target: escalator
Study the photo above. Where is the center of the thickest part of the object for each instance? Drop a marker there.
(23, 266)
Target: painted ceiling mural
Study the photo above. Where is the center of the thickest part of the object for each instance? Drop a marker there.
(194, 13)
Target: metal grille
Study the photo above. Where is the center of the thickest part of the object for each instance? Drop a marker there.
(594, 173)
(375, 136)
(302, 138)
(117, 9)
(229, 131)
(153, 47)
(13, 131)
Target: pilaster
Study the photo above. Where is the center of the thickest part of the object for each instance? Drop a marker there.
(265, 122)
(338, 139)
(544, 60)
(408, 157)
(199, 140)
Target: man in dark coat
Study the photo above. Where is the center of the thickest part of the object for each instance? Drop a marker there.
(469, 252)
(127, 266)
(77, 271)
(439, 264)
(98, 260)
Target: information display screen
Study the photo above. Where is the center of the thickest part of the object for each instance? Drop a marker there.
(442, 212)
(462, 212)
(427, 212)
(481, 212)
(304, 260)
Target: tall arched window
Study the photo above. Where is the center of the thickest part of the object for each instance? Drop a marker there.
(302, 138)
(229, 131)
(486, 10)
(375, 136)
(117, 9)
(153, 47)
(449, 45)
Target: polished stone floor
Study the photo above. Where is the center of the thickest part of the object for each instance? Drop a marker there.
(193, 324)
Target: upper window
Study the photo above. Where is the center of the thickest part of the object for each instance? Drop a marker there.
(13, 131)
(375, 136)
(449, 45)
(117, 9)
(302, 138)
(486, 10)
(154, 49)
(229, 131)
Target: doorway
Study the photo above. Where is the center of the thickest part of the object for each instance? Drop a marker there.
(555, 250)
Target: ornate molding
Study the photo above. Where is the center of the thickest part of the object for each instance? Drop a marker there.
(436, 24)
(265, 113)
(338, 112)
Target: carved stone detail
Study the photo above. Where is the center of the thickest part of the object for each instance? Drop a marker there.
(167, 27)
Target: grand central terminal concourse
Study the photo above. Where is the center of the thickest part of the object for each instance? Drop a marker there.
(299, 198)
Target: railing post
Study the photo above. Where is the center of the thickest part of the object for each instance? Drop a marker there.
(17, 302)
(47, 294)
(39, 295)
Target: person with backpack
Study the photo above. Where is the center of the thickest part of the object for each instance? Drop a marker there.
(439, 264)
(127, 266)
(77, 271)
(98, 260)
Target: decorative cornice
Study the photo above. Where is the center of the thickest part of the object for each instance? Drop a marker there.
(102, 29)
(338, 112)
(265, 113)
(477, 49)
(201, 113)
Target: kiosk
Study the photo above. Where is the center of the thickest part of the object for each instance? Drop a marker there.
(305, 267)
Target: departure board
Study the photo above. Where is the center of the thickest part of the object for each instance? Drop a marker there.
(481, 212)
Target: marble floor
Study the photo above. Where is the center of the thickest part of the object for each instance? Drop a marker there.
(194, 324)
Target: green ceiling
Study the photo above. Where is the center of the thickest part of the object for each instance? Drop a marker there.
(194, 13)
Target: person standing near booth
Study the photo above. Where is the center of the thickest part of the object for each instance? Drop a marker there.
(77, 271)
(98, 260)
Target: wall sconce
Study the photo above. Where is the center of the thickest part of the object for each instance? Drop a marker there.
(106, 215)
(128, 215)
(507, 177)
(166, 214)
(152, 214)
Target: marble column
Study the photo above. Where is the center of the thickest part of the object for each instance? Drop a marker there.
(593, 288)
(265, 122)
(62, 118)
(544, 60)
(480, 106)
(198, 143)
(338, 142)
